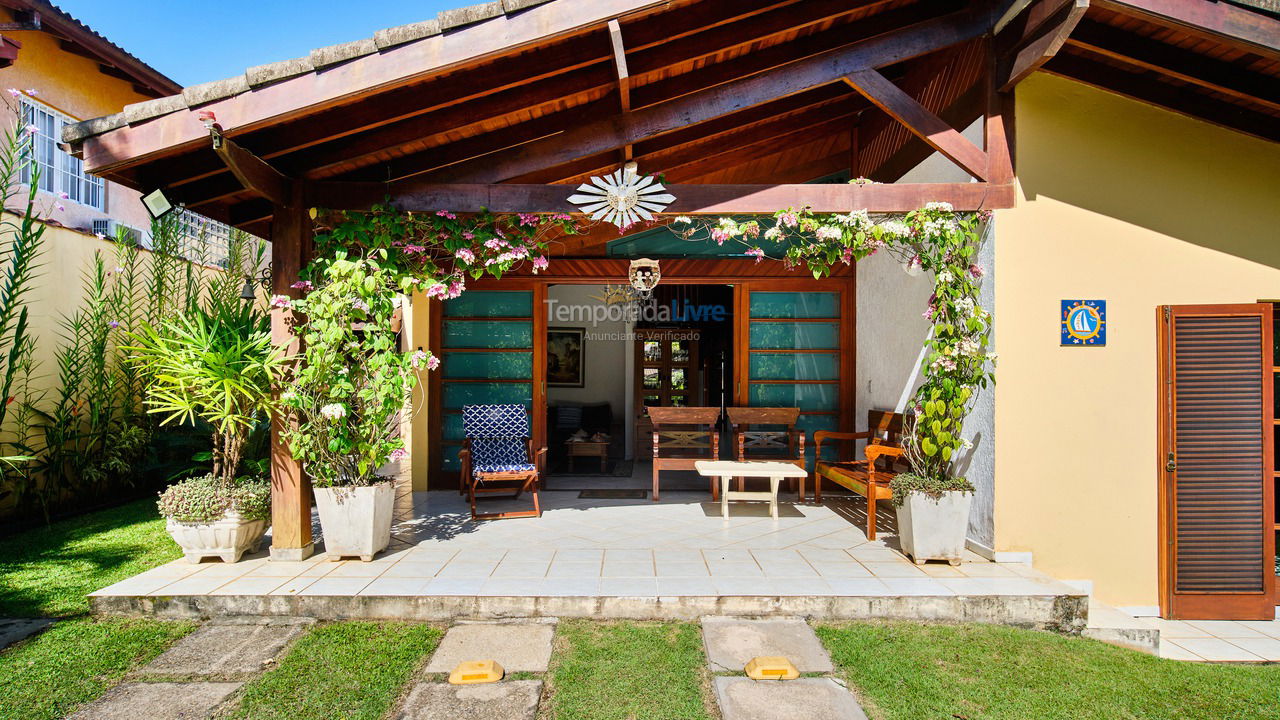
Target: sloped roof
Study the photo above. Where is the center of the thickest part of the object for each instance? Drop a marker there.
(315, 61)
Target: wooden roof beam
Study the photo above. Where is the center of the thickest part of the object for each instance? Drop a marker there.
(253, 172)
(1243, 29)
(1185, 65)
(624, 77)
(1024, 47)
(924, 124)
(798, 76)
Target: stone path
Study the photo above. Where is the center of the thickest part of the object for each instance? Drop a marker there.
(202, 673)
(14, 629)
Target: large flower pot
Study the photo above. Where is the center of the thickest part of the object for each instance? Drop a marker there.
(227, 538)
(932, 529)
(356, 521)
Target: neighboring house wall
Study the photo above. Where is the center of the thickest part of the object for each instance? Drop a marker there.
(72, 85)
(1140, 207)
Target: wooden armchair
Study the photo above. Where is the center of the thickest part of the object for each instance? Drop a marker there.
(681, 437)
(497, 457)
(868, 477)
(783, 445)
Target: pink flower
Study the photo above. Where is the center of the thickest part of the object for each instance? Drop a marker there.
(281, 301)
(63, 194)
(32, 129)
(789, 219)
(399, 454)
(846, 256)
(756, 253)
(528, 219)
(437, 291)
(32, 92)
(468, 236)
(414, 249)
(304, 285)
(976, 270)
(446, 214)
(560, 216)
(494, 244)
(465, 255)
(417, 359)
(455, 288)
(14, 92)
(719, 235)
(540, 263)
(60, 206)
(433, 362)
(113, 324)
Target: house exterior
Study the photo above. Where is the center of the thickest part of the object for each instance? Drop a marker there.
(1126, 148)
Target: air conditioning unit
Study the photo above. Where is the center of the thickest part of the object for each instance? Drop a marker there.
(112, 229)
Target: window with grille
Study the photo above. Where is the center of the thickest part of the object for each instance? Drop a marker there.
(58, 172)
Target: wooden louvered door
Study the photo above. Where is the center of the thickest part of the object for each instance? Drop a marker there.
(1216, 459)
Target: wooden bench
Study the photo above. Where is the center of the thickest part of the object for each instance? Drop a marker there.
(681, 437)
(868, 477)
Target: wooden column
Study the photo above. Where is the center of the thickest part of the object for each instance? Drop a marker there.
(291, 248)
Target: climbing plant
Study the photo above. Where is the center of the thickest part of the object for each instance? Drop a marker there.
(933, 239)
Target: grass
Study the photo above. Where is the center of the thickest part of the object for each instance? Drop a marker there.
(49, 570)
(624, 670)
(350, 670)
(75, 661)
(909, 671)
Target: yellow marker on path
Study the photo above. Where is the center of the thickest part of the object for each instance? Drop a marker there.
(474, 672)
(771, 668)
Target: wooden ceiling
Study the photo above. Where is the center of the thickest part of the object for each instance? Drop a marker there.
(486, 120)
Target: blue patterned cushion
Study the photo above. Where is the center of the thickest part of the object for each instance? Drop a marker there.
(499, 451)
(493, 468)
(495, 421)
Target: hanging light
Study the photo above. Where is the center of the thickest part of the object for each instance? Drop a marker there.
(644, 275)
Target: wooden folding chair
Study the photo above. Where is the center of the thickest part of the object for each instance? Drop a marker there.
(497, 457)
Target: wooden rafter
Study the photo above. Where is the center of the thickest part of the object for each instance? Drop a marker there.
(253, 172)
(1233, 25)
(1025, 46)
(624, 76)
(922, 123)
(1147, 54)
(798, 76)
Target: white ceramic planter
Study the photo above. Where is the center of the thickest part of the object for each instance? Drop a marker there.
(228, 538)
(355, 520)
(934, 529)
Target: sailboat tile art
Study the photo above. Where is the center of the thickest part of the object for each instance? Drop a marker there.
(1084, 323)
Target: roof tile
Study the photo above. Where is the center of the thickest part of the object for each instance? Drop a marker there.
(260, 75)
(205, 93)
(143, 111)
(88, 128)
(511, 6)
(458, 17)
(391, 37)
(332, 55)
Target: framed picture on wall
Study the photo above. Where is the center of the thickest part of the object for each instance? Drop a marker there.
(565, 366)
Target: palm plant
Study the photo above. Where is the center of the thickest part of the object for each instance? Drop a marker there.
(214, 364)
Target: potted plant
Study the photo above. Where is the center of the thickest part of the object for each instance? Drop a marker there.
(215, 365)
(347, 393)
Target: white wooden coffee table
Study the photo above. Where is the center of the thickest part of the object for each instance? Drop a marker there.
(727, 470)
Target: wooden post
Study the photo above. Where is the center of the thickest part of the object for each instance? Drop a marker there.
(291, 248)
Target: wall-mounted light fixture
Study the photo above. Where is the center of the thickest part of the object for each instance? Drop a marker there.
(157, 204)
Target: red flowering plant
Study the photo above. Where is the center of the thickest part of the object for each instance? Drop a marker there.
(437, 252)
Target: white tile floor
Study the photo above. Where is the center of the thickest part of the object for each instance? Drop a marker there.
(1219, 640)
(595, 547)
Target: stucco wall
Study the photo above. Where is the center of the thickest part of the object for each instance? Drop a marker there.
(604, 353)
(1141, 207)
(73, 85)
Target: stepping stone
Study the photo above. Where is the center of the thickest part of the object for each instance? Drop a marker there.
(732, 642)
(158, 701)
(228, 647)
(515, 700)
(804, 699)
(518, 647)
(14, 629)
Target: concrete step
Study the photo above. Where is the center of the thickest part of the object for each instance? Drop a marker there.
(1116, 627)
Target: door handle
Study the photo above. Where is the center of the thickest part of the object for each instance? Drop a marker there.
(1171, 464)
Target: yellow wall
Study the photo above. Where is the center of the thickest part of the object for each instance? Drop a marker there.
(1141, 207)
(73, 85)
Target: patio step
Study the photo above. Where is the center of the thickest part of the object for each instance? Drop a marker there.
(1117, 627)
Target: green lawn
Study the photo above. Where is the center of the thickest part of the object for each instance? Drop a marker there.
(906, 671)
(76, 661)
(625, 670)
(350, 670)
(49, 570)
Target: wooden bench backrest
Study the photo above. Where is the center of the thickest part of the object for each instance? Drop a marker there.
(683, 415)
(764, 416)
(887, 425)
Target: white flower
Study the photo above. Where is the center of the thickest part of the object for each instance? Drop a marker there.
(288, 395)
(683, 219)
(333, 411)
(968, 444)
(828, 232)
(945, 277)
(895, 228)
(943, 206)
(773, 233)
(992, 357)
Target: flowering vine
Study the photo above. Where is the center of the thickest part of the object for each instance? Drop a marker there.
(932, 239)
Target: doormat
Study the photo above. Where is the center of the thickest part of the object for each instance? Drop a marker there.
(613, 494)
(585, 467)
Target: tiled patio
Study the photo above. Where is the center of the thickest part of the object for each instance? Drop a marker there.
(679, 548)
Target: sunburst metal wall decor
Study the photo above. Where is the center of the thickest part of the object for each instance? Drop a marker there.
(622, 197)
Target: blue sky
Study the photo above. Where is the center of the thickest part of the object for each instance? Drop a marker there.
(194, 42)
